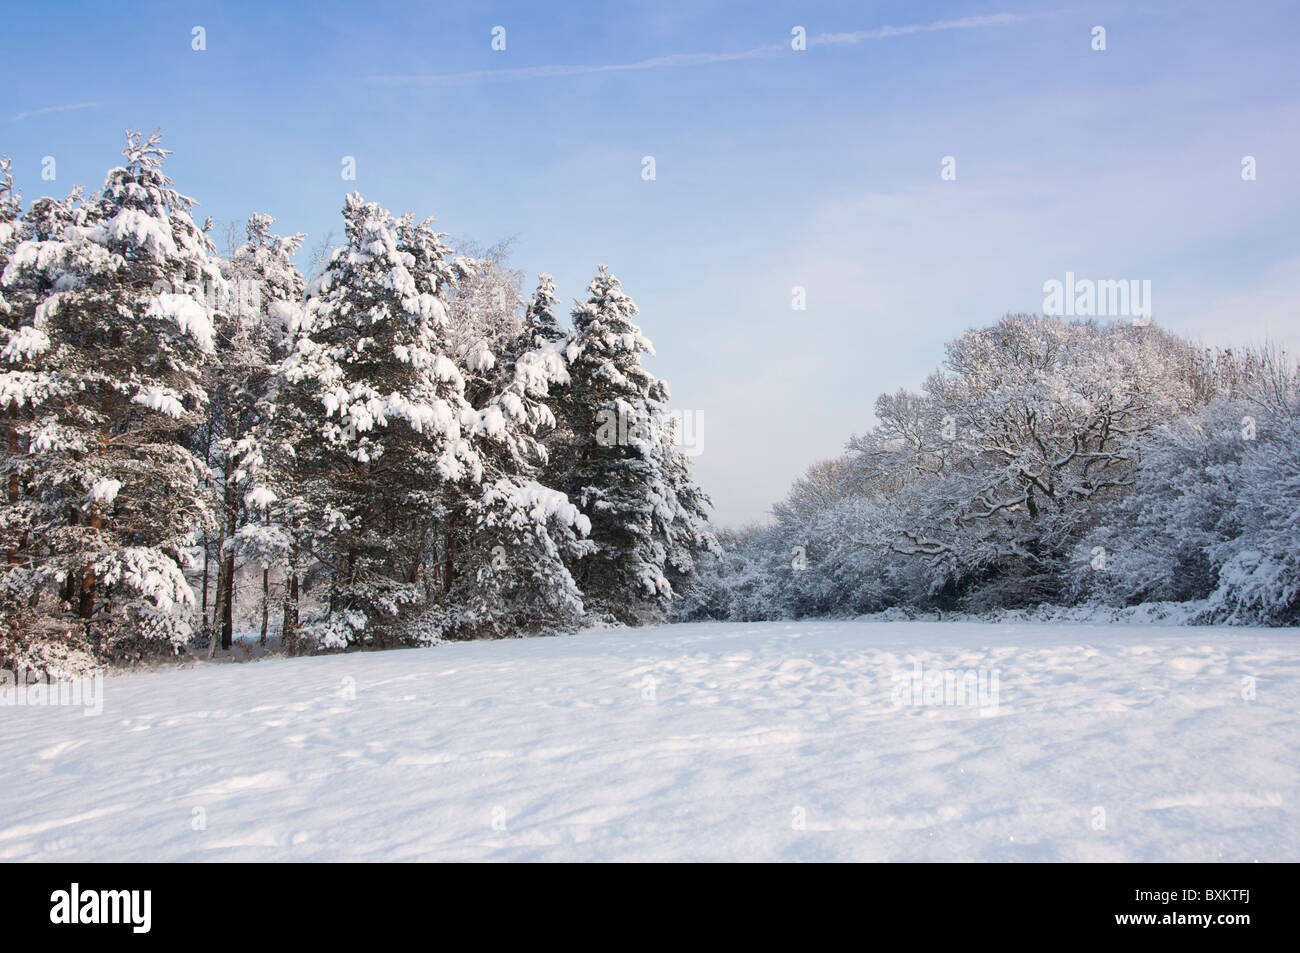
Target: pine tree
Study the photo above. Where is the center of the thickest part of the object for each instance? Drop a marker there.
(512, 536)
(126, 287)
(540, 321)
(390, 423)
(513, 575)
(34, 637)
(19, 389)
(615, 457)
(11, 207)
(15, 318)
(266, 293)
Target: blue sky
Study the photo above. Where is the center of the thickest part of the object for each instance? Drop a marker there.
(774, 168)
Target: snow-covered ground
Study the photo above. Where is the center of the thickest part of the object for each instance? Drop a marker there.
(704, 742)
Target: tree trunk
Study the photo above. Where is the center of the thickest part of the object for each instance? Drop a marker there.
(416, 563)
(266, 602)
(226, 593)
(449, 559)
(13, 475)
(289, 627)
(86, 604)
(207, 559)
(218, 622)
(86, 599)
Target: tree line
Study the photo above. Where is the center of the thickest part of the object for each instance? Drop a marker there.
(401, 449)
(1045, 463)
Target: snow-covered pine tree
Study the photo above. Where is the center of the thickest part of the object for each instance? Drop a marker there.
(36, 639)
(19, 388)
(614, 455)
(510, 535)
(127, 286)
(288, 475)
(14, 316)
(540, 322)
(11, 207)
(512, 577)
(266, 291)
(389, 422)
(689, 534)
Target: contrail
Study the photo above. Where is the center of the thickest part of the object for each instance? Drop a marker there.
(885, 32)
(51, 109)
(693, 59)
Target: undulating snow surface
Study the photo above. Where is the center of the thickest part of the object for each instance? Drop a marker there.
(692, 742)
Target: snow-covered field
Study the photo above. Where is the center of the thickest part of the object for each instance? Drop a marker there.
(691, 742)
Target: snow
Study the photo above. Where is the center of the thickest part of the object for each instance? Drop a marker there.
(26, 255)
(427, 307)
(191, 317)
(401, 281)
(771, 741)
(531, 504)
(480, 357)
(445, 370)
(259, 498)
(160, 399)
(492, 422)
(105, 491)
(24, 344)
(144, 230)
(19, 388)
(145, 571)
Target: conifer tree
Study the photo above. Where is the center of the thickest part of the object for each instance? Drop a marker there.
(540, 322)
(515, 533)
(266, 293)
(615, 457)
(122, 325)
(389, 419)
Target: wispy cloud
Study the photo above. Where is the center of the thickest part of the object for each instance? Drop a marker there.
(542, 72)
(885, 32)
(693, 59)
(51, 109)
